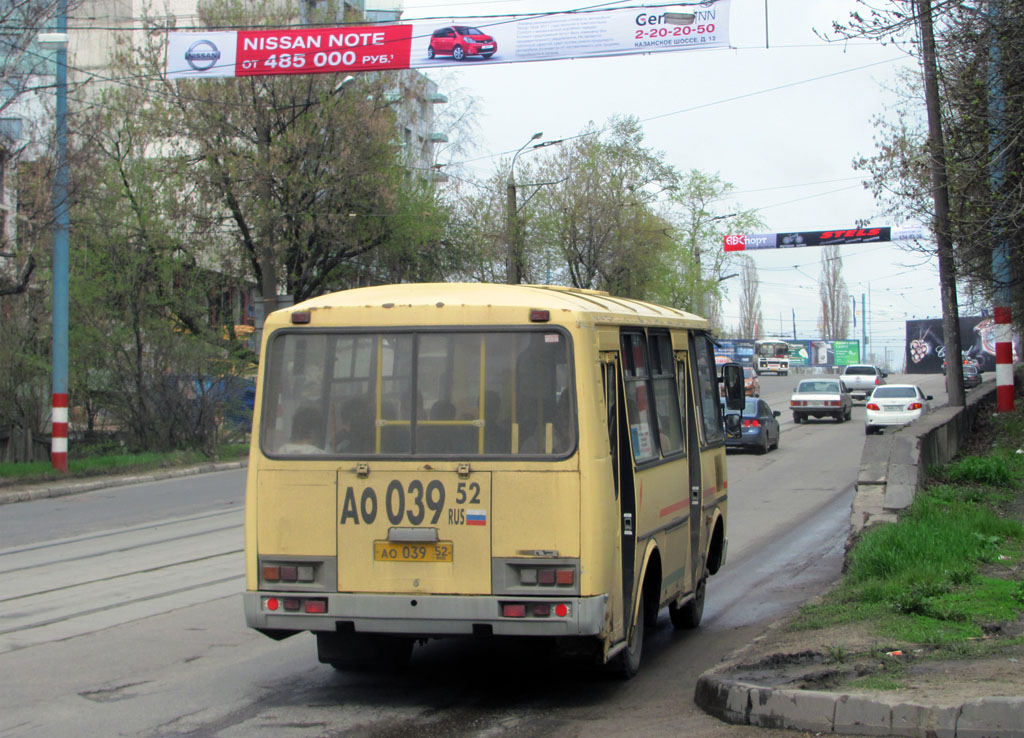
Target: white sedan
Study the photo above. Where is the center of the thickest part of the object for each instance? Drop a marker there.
(895, 404)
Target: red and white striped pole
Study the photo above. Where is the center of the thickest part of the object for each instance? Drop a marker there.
(1004, 360)
(59, 434)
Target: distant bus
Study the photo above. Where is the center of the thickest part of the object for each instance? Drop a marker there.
(476, 460)
(772, 355)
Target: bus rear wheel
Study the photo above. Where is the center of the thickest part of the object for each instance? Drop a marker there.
(629, 659)
(688, 616)
(363, 651)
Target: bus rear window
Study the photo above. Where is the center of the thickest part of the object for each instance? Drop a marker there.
(456, 393)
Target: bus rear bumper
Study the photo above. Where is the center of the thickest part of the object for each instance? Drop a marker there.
(426, 615)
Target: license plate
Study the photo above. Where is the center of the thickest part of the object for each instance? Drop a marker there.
(892, 408)
(437, 552)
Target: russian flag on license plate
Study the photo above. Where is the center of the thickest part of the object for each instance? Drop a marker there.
(476, 517)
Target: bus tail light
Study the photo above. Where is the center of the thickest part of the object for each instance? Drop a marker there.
(534, 609)
(290, 573)
(548, 576)
(312, 606)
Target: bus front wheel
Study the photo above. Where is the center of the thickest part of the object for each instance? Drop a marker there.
(687, 617)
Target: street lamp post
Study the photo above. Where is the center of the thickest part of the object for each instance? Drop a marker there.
(513, 236)
(61, 219)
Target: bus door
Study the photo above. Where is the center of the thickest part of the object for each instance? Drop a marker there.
(688, 408)
(622, 469)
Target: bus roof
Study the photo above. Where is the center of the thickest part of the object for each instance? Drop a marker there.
(599, 306)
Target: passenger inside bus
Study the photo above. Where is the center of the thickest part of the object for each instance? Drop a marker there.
(307, 432)
(357, 431)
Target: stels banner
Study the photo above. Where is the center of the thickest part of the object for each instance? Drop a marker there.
(496, 39)
(754, 241)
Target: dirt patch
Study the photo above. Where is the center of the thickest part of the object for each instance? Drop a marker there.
(852, 659)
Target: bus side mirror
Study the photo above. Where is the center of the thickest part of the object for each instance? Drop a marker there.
(733, 425)
(733, 381)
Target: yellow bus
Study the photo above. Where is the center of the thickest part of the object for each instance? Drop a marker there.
(440, 460)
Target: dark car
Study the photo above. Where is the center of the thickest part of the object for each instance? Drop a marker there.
(459, 42)
(972, 377)
(759, 426)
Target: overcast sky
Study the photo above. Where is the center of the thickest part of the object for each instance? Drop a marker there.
(782, 124)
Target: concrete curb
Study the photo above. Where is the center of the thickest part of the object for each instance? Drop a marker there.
(741, 703)
(27, 492)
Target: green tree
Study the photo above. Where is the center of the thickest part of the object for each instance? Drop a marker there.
(696, 268)
(980, 56)
(599, 210)
(307, 170)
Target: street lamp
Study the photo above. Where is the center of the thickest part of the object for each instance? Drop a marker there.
(61, 219)
(514, 266)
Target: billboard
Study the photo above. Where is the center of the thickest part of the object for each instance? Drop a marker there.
(926, 350)
(799, 353)
(435, 43)
(739, 350)
(828, 353)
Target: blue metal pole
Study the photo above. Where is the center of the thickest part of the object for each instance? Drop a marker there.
(61, 226)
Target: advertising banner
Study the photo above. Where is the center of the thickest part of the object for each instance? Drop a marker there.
(926, 350)
(739, 350)
(799, 353)
(491, 40)
(754, 241)
(834, 353)
(846, 352)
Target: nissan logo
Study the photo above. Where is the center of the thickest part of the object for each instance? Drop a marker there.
(202, 55)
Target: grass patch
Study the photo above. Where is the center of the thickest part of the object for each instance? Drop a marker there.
(933, 577)
(1002, 468)
(116, 463)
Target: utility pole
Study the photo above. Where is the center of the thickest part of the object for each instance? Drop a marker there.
(1001, 252)
(513, 234)
(863, 326)
(61, 228)
(940, 195)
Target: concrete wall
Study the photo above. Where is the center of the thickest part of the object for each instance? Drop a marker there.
(893, 464)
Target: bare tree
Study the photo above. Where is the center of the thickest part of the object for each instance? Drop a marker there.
(751, 317)
(835, 298)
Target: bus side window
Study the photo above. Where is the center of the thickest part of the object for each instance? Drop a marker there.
(707, 391)
(640, 414)
(670, 433)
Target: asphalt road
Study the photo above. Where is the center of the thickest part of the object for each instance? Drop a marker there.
(120, 614)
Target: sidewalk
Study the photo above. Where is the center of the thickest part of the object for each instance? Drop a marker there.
(60, 487)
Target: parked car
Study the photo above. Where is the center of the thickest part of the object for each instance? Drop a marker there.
(972, 376)
(759, 426)
(825, 397)
(751, 384)
(459, 42)
(895, 404)
(861, 379)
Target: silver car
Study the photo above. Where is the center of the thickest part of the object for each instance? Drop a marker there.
(824, 397)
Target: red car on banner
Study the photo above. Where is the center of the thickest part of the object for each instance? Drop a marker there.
(459, 42)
